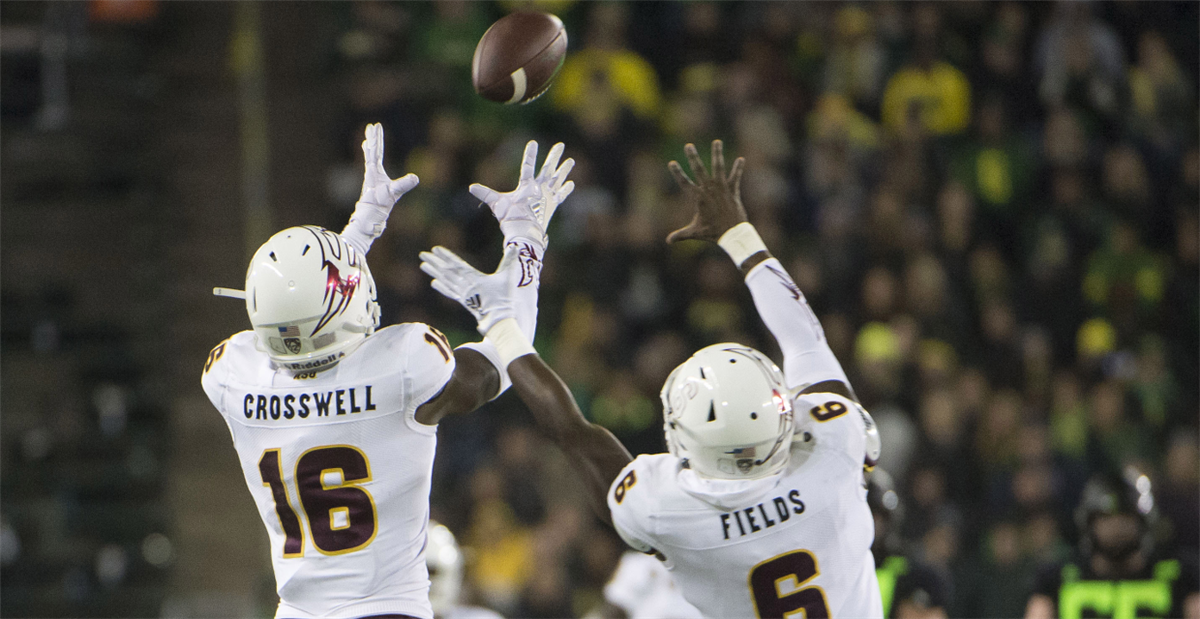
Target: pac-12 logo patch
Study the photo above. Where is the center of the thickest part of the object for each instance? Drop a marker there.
(292, 344)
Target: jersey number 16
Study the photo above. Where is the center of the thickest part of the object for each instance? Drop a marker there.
(341, 515)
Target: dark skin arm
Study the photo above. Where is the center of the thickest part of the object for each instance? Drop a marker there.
(718, 200)
(596, 454)
(474, 381)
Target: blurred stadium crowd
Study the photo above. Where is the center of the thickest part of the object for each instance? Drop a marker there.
(992, 207)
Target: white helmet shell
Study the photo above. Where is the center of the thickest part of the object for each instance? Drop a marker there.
(444, 559)
(728, 413)
(310, 297)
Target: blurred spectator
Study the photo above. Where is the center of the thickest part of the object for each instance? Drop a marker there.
(1176, 493)
(854, 67)
(998, 166)
(927, 91)
(1161, 96)
(605, 79)
(1081, 63)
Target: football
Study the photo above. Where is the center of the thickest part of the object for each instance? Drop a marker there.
(518, 57)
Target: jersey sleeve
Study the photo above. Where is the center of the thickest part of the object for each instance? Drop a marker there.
(838, 423)
(428, 366)
(629, 504)
(807, 358)
(213, 377)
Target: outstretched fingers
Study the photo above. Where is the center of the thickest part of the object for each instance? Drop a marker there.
(681, 178)
(484, 193)
(560, 175)
(699, 172)
(735, 175)
(684, 233)
(446, 291)
(551, 165)
(404, 184)
(529, 161)
(718, 160)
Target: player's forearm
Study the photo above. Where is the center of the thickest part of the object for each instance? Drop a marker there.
(595, 453)
(807, 358)
(365, 225)
(525, 300)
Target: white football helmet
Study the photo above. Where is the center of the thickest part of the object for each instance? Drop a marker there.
(444, 560)
(310, 297)
(728, 413)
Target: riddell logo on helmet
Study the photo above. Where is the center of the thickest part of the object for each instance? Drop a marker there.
(315, 364)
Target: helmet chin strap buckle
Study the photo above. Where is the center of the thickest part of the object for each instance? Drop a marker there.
(229, 292)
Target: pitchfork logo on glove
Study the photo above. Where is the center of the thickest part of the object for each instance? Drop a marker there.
(531, 265)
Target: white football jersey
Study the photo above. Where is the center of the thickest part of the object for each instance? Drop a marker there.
(339, 467)
(798, 540)
(644, 589)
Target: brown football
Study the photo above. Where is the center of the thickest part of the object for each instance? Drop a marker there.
(518, 57)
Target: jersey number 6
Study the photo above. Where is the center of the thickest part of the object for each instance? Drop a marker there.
(341, 515)
(777, 586)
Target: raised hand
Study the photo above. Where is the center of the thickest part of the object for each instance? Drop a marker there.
(379, 194)
(489, 297)
(378, 188)
(525, 212)
(717, 196)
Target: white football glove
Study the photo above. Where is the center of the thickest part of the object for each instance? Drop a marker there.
(379, 194)
(489, 297)
(525, 212)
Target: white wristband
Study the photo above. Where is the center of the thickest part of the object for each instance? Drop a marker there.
(741, 242)
(509, 341)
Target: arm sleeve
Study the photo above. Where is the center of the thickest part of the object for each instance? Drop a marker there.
(807, 358)
(366, 224)
(525, 301)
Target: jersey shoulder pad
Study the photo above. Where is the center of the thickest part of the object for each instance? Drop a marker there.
(233, 357)
(417, 351)
(836, 422)
(632, 497)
